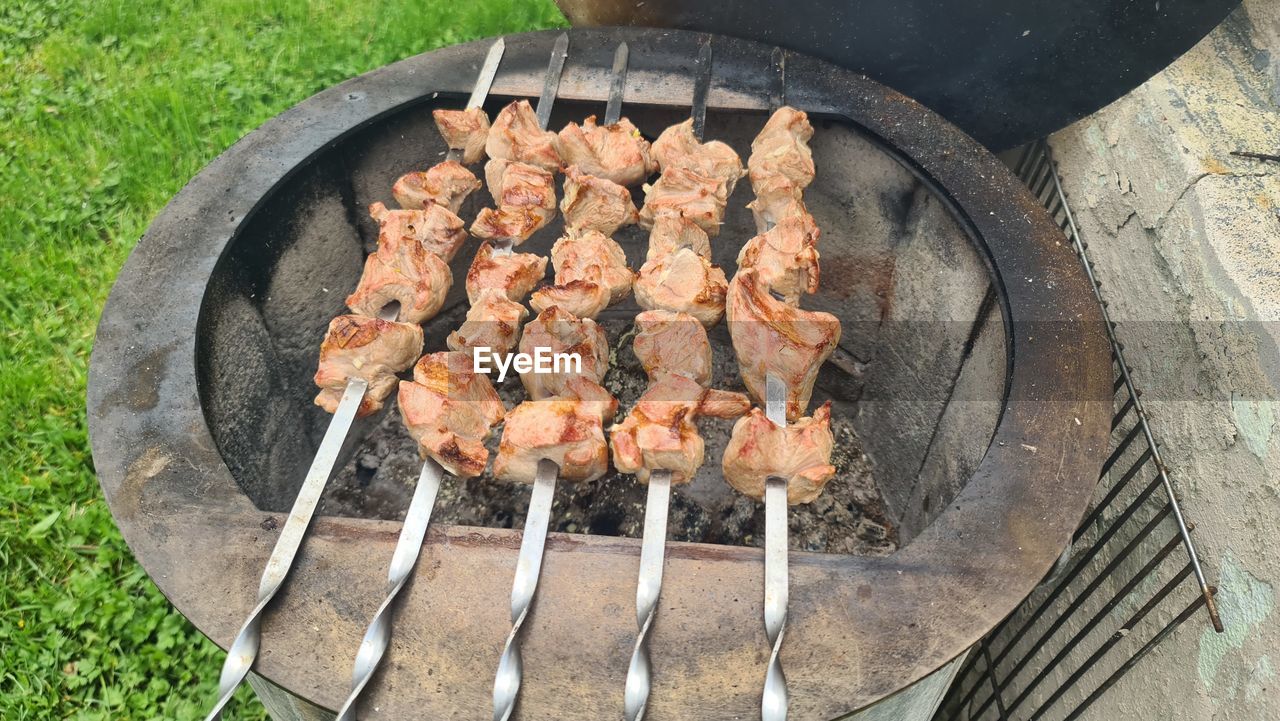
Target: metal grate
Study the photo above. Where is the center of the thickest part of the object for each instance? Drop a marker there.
(1037, 664)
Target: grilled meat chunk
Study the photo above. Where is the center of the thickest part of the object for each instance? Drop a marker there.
(582, 298)
(659, 433)
(782, 149)
(678, 147)
(448, 410)
(776, 198)
(516, 136)
(403, 271)
(672, 231)
(769, 335)
(594, 203)
(683, 281)
(465, 130)
(615, 152)
(799, 453)
(526, 199)
(357, 346)
(446, 184)
(671, 343)
(785, 258)
(558, 331)
(515, 274)
(493, 321)
(435, 227)
(591, 274)
(699, 198)
(567, 429)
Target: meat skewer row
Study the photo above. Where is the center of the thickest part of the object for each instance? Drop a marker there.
(446, 408)
(778, 454)
(360, 356)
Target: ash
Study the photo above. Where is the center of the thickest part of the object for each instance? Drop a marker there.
(850, 517)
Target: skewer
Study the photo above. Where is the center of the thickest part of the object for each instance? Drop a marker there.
(506, 683)
(409, 545)
(657, 503)
(613, 110)
(774, 700)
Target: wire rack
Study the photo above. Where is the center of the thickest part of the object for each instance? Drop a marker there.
(1130, 578)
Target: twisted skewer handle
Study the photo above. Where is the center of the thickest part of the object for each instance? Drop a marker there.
(773, 704)
(244, 650)
(652, 553)
(405, 557)
(506, 685)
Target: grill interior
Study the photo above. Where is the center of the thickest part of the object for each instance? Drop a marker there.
(916, 383)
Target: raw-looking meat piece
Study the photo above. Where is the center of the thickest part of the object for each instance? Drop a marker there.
(567, 429)
(659, 433)
(357, 346)
(493, 322)
(403, 271)
(683, 281)
(616, 152)
(799, 453)
(516, 135)
(668, 342)
(785, 258)
(673, 231)
(583, 298)
(526, 200)
(776, 198)
(515, 274)
(435, 227)
(446, 184)
(678, 147)
(701, 199)
(782, 149)
(465, 130)
(590, 255)
(592, 203)
(557, 331)
(769, 335)
(448, 410)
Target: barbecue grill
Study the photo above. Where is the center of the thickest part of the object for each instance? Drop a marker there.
(974, 372)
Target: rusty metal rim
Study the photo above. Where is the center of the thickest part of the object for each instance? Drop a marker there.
(174, 498)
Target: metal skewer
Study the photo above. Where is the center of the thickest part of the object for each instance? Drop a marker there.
(657, 503)
(617, 88)
(409, 546)
(774, 701)
(506, 683)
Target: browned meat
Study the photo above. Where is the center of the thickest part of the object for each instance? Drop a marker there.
(567, 429)
(592, 203)
(526, 199)
(677, 147)
(672, 231)
(681, 190)
(446, 184)
(683, 281)
(776, 199)
(800, 453)
(516, 135)
(464, 130)
(769, 335)
(435, 227)
(591, 274)
(582, 298)
(785, 258)
(616, 152)
(449, 410)
(404, 272)
(493, 322)
(659, 433)
(782, 149)
(357, 346)
(556, 331)
(515, 274)
(668, 343)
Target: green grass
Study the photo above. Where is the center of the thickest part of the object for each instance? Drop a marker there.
(106, 109)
